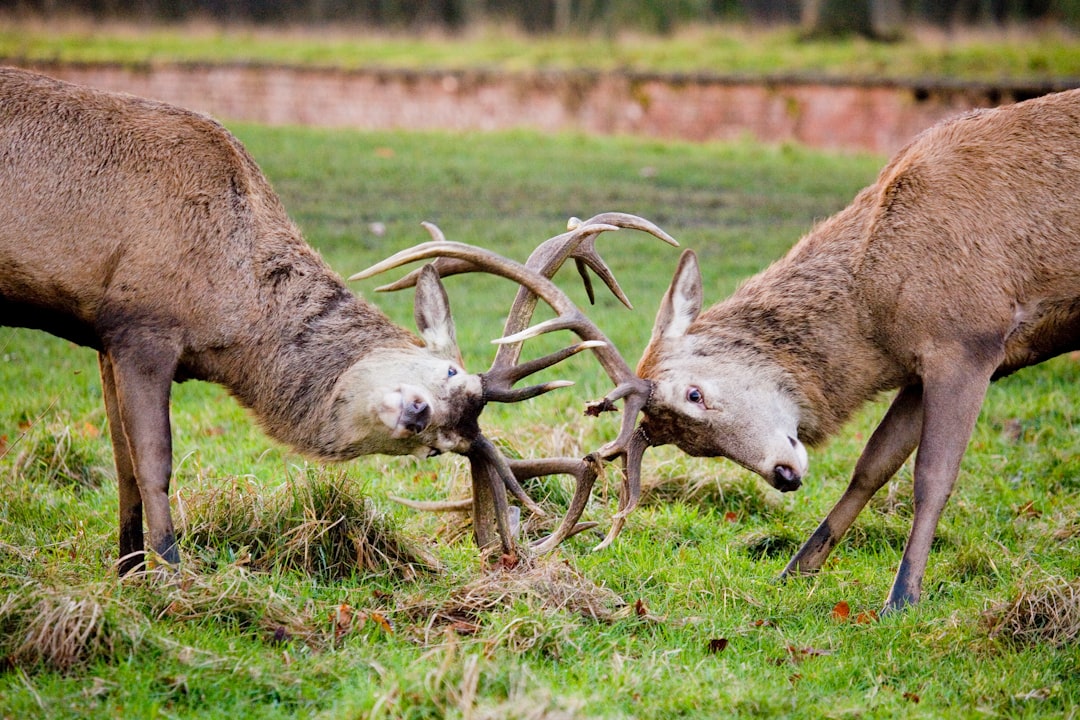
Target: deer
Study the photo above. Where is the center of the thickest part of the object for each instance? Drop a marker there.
(958, 266)
(147, 232)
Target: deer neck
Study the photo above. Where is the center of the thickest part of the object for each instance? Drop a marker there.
(286, 362)
(804, 314)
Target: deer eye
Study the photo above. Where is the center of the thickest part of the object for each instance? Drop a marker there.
(451, 372)
(694, 395)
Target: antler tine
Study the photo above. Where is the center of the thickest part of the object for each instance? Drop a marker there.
(577, 243)
(499, 379)
(585, 472)
(490, 262)
(583, 253)
(490, 506)
(630, 491)
(445, 267)
(586, 256)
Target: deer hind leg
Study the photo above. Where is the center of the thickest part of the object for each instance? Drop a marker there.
(951, 405)
(891, 444)
(131, 520)
(137, 382)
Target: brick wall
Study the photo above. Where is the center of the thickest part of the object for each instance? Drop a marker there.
(879, 117)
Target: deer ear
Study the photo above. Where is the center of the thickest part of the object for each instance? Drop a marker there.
(682, 301)
(432, 314)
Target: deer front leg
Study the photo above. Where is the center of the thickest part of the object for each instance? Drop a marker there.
(951, 404)
(141, 380)
(891, 444)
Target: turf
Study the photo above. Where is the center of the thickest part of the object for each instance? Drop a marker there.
(277, 614)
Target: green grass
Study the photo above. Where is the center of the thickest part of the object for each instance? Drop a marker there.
(681, 617)
(712, 49)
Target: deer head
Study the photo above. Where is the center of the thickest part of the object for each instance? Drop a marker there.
(709, 404)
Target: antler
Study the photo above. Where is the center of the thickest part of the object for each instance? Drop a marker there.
(629, 444)
(488, 466)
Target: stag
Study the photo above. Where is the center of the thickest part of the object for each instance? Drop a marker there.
(958, 266)
(147, 233)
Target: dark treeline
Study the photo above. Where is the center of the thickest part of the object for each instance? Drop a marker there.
(869, 17)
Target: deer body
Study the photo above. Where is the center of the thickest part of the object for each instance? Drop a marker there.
(147, 233)
(959, 265)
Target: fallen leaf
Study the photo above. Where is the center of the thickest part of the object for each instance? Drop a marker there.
(867, 617)
(816, 652)
(1028, 510)
(461, 627)
(342, 620)
(91, 430)
(717, 645)
(841, 611)
(640, 608)
(379, 619)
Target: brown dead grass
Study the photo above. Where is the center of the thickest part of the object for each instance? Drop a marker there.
(63, 628)
(320, 523)
(1046, 612)
(543, 584)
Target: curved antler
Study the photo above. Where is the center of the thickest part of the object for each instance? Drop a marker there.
(487, 464)
(634, 391)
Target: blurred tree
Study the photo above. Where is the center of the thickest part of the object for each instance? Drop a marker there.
(772, 12)
(878, 19)
(871, 18)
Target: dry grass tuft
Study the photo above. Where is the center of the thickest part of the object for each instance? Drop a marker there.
(232, 596)
(1049, 612)
(59, 455)
(544, 584)
(65, 628)
(320, 524)
(538, 705)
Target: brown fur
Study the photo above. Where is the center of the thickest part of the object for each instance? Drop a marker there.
(148, 233)
(959, 265)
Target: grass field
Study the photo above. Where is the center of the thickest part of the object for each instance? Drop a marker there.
(1017, 54)
(274, 616)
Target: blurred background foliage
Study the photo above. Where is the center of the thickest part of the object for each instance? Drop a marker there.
(878, 19)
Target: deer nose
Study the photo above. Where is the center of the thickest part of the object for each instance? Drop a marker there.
(785, 478)
(415, 416)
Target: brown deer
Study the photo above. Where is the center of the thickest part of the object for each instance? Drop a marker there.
(958, 266)
(148, 233)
